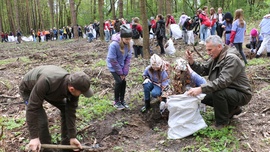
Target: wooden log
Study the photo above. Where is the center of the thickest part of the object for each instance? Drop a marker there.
(88, 148)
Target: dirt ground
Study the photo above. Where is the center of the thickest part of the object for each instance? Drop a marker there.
(143, 132)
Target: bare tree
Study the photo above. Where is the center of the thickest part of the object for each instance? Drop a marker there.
(28, 15)
(73, 18)
(41, 24)
(52, 12)
(10, 16)
(160, 6)
(168, 4)
(145, 29)
(113, 9)
(120, 2)
(101, 18)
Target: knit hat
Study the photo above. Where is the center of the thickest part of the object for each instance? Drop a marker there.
(254, 32)
(156, 61)
(80, 81)
(125, 32)
(181, 65)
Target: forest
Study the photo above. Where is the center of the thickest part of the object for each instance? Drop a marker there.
(45, 14)
(99, 124)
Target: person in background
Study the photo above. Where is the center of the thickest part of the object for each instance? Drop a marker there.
(55, 33)
(107, 30)
(169, 20)
(205, 24)
(153, 24)
(227, 26)
(137, 37)
(238, 32)
(213, 19)
(60, 89)
(160, 32)
(118, 62)
(228, 87)
(188, 32)
(182, 19)
(196, 20)
(156, 81)
(96, 27)
(220, 19)
(117, 25)
(19, 36)
(265, 31)
(255, 41)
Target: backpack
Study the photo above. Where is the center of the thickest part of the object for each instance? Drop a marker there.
(135, 32)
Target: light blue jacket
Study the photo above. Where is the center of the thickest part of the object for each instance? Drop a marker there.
(265, 26)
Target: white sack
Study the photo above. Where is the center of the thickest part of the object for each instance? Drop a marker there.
(27, 39)
(190, 36)
(169, 47)
(42, 38)
(176, 31)
(11, 38)
(184, 117)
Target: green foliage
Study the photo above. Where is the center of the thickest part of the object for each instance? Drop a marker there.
(120, 124)
(258, 61)
(118, 149)
(94, 107)
(13, 123)
(100, 63)
(210, 139)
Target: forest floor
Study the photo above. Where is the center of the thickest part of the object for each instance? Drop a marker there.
(126, 130)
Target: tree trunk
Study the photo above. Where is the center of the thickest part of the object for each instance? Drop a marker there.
(101, 19)
(29, 22)
(16, 8)
(95, 9)
(51, 4)
(121, 15)
(113, 9)
(160, 6)
(145, 29)
(73, 18)
(168, 4)
(195, 2)
(77, 8)
(10, 17)
(41, 24)
(1, 18)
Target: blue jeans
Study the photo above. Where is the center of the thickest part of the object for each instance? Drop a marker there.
(107, 36)
(151, 88)
(203, 32)
(213, 29)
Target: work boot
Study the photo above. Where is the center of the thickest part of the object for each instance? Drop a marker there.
(236, 111)
(257, 56)
(146, 106)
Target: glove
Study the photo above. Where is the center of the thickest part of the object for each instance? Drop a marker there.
(146, 81)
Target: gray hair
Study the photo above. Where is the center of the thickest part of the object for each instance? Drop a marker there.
(215, 39)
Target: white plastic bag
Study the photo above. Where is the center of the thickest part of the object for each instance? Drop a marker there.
(169, 47)
(190, 36)
(176, 31)
(184, 118)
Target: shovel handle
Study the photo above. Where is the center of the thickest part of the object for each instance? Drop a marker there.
(88, 148)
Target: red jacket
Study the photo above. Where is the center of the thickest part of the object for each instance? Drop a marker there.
(170, 20)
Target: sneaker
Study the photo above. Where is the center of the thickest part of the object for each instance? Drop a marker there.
(124, 104)
(118, 105)
(235, 111)
(162, 106)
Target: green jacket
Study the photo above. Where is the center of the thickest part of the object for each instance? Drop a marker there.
(48, 83)
(227, 71)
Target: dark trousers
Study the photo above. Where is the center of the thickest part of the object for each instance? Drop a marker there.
(137, 50)
(119, 87)
(219, 30)
(97, 34)
(240, 49)
(44, 134)
(254, 45)
(39, 38)
(160, 43)
(223, 102)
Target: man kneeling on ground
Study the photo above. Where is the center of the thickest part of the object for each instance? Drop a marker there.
(228, 87)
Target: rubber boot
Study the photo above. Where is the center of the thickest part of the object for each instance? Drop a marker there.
(146, 106)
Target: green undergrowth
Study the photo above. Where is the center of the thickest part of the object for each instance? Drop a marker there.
(94, 108)
(11, 60)
(210, 139)
(258, 61)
